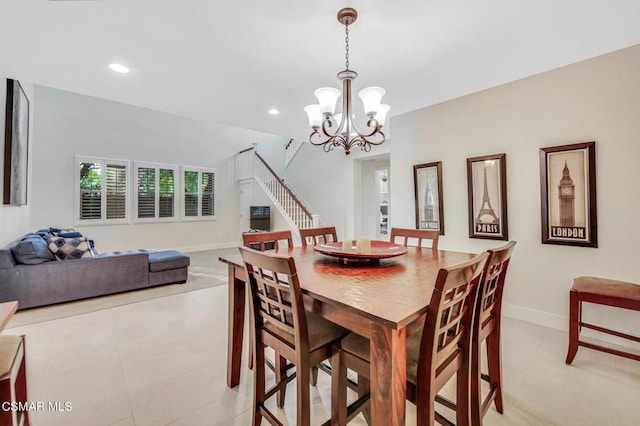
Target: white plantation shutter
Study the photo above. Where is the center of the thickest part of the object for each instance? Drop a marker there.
(102, 190)
(90, 191)
(155, 199)
(167, 192)
(208, 194)
(191, 193)
(116, 191)
(146, 192)
(199, 186)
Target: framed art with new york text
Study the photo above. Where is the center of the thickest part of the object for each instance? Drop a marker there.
(427, 179)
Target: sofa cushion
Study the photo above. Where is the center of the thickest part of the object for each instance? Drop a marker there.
(32, 250)
(6, 259)
(167, 259)
(69, 248)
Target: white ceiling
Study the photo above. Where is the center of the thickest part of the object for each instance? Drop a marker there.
(230, 61)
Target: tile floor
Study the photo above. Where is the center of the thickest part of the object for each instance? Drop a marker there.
(163, 361)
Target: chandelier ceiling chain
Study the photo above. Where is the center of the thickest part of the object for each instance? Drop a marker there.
(323, 119)
(346, 48)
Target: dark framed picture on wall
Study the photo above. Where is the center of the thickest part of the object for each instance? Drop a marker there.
(427, 179)
(487, 191)
(16, 145)
(568, 191)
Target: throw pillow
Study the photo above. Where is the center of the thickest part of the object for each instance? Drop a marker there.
(57, 231)
(69, 248)
(32, 250)
(69, 234)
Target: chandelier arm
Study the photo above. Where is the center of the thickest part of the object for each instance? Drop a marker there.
(375, 130)
(326, 123)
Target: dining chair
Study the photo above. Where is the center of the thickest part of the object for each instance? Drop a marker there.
(318, 235)
(434, 355)
(13, 380)
(419, 234)
(487, 326)
(281, 323)
(262, 240)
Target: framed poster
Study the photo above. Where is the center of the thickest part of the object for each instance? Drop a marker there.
(568, 191)
(16, 145)
(427, 181)
(487, 191)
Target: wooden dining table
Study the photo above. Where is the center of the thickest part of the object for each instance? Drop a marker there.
(385, 302)
(7, 309)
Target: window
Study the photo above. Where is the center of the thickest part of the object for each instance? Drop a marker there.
(102, 187)
(199, 187)
(155, 196)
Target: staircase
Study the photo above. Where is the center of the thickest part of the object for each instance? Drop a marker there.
(250, 165)
(291, 149)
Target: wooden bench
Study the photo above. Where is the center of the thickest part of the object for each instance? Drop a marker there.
(600, 291)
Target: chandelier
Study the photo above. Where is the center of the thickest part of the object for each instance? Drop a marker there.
(332, 130)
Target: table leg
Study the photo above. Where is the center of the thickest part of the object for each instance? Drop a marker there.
(388, 375)
(236, 327)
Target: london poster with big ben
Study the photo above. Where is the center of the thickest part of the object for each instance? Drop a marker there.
(568, 190)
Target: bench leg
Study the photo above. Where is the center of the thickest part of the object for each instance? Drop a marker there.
(574, 325)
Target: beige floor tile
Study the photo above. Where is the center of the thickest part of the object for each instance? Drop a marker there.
(100, 406)
(213, 414)
(125, 422)
(560, 405)
(69, 384)
(175, 398)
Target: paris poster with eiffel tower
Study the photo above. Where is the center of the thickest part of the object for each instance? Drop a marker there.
(487, 186)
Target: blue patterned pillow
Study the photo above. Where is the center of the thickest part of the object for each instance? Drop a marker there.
(69, 248)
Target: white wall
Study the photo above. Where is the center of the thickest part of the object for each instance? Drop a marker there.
(595, 100)
(326, 181)
(14, 220)
(69, 124)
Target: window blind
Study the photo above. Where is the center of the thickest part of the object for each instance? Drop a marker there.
(116, 185)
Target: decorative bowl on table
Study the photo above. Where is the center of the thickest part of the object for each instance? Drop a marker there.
(348, 253)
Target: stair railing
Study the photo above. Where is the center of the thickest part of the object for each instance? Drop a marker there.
(249, 164)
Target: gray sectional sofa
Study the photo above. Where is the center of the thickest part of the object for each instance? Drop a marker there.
(30, 273)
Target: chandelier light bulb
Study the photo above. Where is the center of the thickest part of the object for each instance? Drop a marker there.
(314, 114)
(371, 98)
(327, 98)
(381, 115)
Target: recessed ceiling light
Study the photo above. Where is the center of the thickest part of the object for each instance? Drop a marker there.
(119, 68)
(274, 111)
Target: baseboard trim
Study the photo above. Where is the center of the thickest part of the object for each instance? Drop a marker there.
(208, 247)
(560, 322)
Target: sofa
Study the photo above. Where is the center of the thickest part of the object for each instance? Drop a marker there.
(51, 266)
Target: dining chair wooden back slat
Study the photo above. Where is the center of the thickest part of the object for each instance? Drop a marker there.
(419, 234)
(314, 236)
(254, 239)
